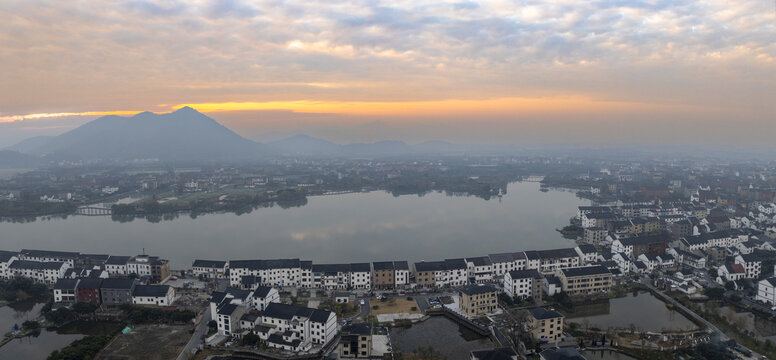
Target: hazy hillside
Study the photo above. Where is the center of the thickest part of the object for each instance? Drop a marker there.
(181, 135)
(15, 160)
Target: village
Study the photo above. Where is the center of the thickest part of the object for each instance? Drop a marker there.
(704, 257)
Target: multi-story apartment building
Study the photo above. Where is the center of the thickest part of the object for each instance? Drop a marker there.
(751, 264)
(295, 328)
(88, 290)
(278, 272)
(356, 341)
(505, 262)
(64, 291)
(637, 245)
(117, 291)
(476, 300)
(211, 269)
(766, 290)
(450, 272)
(6, 258)
(585, 280)
(547, 261)
(480, 269)
(523, 284)
(545, 325)
(49, 256)
(41, 272)
(117, 265)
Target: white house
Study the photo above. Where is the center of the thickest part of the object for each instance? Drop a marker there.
(65, 291)
(159, 295)
(49, 256)
(481, 269)
(587, 253)
(523, 284)
(730, 272)
(280, 272)
(211, 269)
(263, 296)
(117, 265)
(295, 328)
(228, 307)
(751, 264)
(6, 258)
(41, 272)
(766, 291)
(505, 262)
(360, 276)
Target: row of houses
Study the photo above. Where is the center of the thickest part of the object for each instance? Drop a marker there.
(385, 275)
(46, 267)
(575, 281)
(111, 292)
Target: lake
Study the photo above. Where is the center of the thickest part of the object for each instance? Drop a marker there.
(643, 310)
(357, 227)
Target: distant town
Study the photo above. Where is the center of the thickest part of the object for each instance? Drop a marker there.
(694, 237)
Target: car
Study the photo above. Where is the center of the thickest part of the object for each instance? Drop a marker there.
(363, 302)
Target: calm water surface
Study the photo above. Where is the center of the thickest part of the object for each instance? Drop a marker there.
(644, 311)
(446, 337)
(340, 228)
(31, 347)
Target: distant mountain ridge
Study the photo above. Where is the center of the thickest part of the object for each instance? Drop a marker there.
(185, 134)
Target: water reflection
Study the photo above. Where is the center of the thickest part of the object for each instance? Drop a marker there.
(328, 229)
(446, 337)
(641, 310)
(38, 346)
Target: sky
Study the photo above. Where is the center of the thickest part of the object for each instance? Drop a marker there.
(595, 72)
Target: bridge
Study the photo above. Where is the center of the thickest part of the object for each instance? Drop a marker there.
(93, 210)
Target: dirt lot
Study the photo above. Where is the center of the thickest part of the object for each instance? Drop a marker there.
(157, 342)
(394, 306)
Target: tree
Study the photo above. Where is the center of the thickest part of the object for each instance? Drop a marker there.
(428, 353)
(83, 308)
(714, 293)
(713, 273)
(730, 285)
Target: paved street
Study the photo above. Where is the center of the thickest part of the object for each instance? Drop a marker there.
(196, 337)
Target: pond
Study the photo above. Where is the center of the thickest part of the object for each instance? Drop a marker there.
(443, 335)
(642, 310)
(30, 347)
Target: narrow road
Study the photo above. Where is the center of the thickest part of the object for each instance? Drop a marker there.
(196, 337)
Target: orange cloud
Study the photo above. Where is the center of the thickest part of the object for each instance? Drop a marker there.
(500, 106)
(13, 118)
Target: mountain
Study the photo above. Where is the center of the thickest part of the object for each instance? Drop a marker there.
(181, 135)
(305, 145)
(15, 160)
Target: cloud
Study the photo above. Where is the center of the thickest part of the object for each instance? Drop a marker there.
(73, 56)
